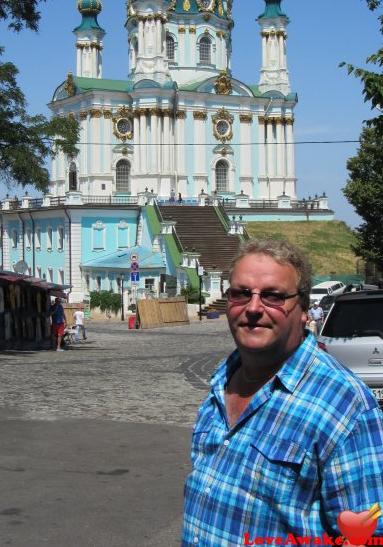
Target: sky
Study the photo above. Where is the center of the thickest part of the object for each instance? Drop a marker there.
(321, 34)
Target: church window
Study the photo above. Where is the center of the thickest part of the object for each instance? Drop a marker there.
(123, 235)
(60, 238)
(72, 177)
(38, 238)
(170, 47)
(205, 50)
(221, 176)
(98, 236)
(49, 238)
(123, 177)
(14, 238)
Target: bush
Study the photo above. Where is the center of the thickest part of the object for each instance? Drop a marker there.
(107, 301)
(192, 295)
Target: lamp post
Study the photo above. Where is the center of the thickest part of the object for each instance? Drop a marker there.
(200, 274)
(122, 298)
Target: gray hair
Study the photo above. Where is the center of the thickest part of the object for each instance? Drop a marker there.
(282, 252)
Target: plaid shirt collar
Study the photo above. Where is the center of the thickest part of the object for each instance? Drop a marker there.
(289, 375)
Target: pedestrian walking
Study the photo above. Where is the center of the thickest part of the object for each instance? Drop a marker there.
(287, 438)
(79, 318)
(59, 323)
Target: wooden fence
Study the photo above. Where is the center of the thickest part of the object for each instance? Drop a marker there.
(162, 312)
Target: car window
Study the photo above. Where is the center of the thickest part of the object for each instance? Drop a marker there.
(355, 318)
(318, 291)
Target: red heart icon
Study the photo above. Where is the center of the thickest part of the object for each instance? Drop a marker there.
(356, 527)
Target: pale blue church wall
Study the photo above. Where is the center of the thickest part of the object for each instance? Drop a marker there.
(189, 150)
(15, 253)
(46, 256)
(147, 236)
(95, 243)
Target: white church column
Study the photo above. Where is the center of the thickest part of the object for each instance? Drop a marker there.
(154, 140)
(245, 149)
(282, 63)
(270, 148)
(264, 50)
(180, 150)
(137, 147)
(79, 60)
(290, 148)
(200, 145)
(140, 37)
(95, 115)
(159, 37)
(280, 148)
(181, 45)
(192, 46)
(143, 141)
(262, 147)
(167, 140)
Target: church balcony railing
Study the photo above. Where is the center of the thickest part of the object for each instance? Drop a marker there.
(110, 200)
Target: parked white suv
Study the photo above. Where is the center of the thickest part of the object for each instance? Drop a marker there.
(353, 334)
(326, 288)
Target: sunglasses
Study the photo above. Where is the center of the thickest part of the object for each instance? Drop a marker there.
(268, 298)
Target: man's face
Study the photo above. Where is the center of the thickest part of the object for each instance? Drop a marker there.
(257, 328)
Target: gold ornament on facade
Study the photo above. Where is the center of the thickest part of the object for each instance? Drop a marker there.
(123, 128)
(199, 115)
(246, 118)
(83, 115)
(192, 30)
(107, 114)
(220, 8)
(69, 85)
(181, 115)
(186, 5)
(206, 16)
(95, 113)
(181, 30)
(223, 84)
(203, 7)
(223, 125)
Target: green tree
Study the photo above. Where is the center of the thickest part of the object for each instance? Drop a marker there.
(26, 141)
(364, 188)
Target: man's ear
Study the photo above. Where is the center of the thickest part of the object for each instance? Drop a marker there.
(304, 318)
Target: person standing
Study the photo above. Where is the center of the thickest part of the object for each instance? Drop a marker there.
(59, 322)
(78, 317)
(287, 437)
(316, 314)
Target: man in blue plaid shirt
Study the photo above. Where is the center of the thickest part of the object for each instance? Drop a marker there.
(287, 438)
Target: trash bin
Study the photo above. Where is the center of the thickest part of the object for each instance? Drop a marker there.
(132, 321)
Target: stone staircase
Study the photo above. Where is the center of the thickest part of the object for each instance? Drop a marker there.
(200, 230)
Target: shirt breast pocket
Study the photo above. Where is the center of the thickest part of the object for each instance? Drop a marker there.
(205, 443)
(271, 468)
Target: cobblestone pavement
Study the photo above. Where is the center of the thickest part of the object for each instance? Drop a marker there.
(95, 440)
(156, 376)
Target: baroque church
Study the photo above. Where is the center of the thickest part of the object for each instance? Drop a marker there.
(180, 131)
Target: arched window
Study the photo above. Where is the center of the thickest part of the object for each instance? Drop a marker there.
(221, 176)
(205, 50)
(123, 177)
(72, 177)
(170, 48)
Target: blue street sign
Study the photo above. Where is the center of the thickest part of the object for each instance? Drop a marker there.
(134, 277)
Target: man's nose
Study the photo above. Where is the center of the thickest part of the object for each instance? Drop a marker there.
(255, 304)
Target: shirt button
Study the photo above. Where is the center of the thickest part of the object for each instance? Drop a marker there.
(226, 443)
(207, 490)
(195, 540)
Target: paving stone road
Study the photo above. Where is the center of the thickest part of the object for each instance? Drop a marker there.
(95, 440)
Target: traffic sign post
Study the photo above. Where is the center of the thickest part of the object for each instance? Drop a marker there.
(134, 277)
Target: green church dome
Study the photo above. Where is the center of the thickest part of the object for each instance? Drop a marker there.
(272, 9)
(89, 10)
(89, 7)
(220, 8)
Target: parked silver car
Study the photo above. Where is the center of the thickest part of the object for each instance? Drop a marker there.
(353, 333)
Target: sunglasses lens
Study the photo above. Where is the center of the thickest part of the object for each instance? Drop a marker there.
(239, 295)
(272, 299)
